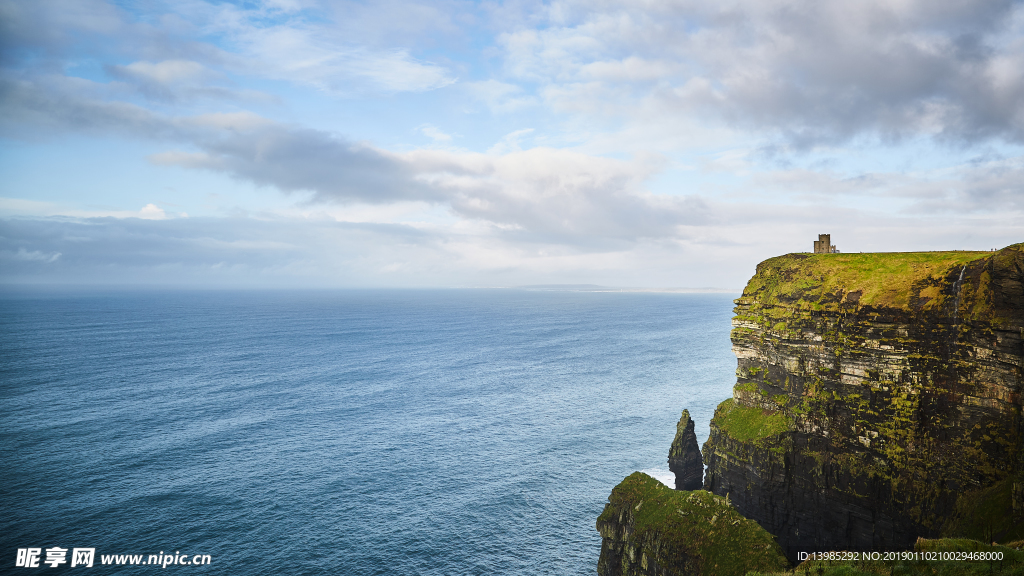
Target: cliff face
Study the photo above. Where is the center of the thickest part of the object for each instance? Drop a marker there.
(684, 458)
(648, 529)
(878, 399)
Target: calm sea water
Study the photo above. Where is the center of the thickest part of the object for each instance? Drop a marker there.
(352, 432)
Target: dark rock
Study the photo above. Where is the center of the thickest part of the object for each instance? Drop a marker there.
(684, 457)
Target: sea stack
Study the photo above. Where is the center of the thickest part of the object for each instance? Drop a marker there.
(684, 458)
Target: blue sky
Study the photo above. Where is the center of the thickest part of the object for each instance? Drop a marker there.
(300, 143)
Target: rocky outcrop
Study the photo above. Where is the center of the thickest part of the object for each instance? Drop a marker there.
(684, 457)
(878, 399)
(648, 529)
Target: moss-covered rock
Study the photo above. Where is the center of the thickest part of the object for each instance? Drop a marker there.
(751, 423)
(649, 529)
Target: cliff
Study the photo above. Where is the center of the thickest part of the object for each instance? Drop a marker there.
(648, 529)
(877, 400)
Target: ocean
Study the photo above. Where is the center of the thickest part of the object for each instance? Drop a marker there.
(364, 432)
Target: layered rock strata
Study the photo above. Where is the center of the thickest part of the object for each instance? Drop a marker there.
(684, 457)
(878, 399)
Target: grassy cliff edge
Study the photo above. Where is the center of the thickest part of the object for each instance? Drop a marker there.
(649, 528)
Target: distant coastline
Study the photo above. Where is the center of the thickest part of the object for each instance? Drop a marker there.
(598, 288)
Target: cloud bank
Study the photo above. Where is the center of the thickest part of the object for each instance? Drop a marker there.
(653, 143)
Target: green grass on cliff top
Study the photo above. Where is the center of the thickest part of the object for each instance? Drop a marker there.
(701, 526)
(883, 278)
(748, 424)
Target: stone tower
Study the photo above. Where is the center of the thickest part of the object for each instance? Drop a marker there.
(823, 245)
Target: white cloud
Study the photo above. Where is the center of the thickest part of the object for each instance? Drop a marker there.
(167, 72)
(500, 97)
(510, 142)
(558, 195)
(152, 212)
(36, 256)
(307, 54)
(434, 133)
(629, 69)
(807, 71)
(20, 207)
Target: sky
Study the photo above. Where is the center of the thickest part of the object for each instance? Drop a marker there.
(642, 143)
